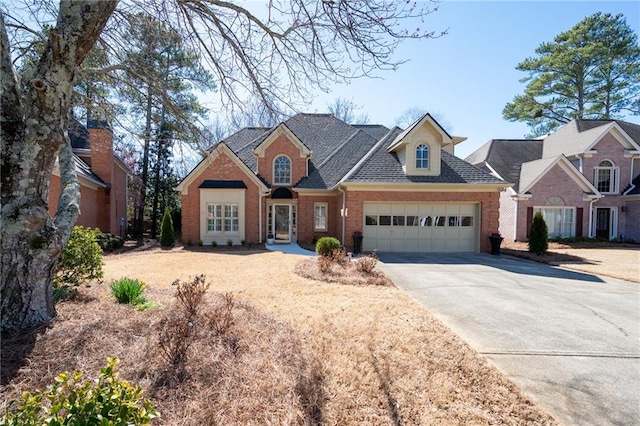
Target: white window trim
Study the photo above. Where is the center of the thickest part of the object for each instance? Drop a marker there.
(326, 217)
(223, 217)
(572, 231)
(428, 156)
(615, 181)
(273, 169)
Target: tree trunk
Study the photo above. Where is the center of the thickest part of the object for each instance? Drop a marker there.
(34, 121)
(145, 159)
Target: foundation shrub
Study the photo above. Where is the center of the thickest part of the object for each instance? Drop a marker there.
(538, 235)
(366, 263)
(326, 245)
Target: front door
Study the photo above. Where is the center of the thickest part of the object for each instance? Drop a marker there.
(603, 221)
(282, 223)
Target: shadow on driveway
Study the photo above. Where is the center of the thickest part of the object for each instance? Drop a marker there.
(506, 263)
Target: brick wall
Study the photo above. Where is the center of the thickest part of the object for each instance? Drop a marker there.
(507, 215)
(489, 206)
(88, 203)
(221, 168)
(306, 217)
(282, 145)
(632, 228)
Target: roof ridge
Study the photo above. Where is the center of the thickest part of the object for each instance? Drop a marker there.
(373, 149)
(333, 154)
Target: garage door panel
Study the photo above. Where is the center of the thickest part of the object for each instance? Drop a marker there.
(437, 227)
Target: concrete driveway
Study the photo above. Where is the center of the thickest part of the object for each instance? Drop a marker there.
(570, 340)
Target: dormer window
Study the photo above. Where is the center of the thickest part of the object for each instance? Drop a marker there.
(606, 177)
(422, 157)
(282, 171)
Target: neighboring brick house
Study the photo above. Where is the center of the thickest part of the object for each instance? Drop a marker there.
(102, 176)
(314, 175)
(584, 178)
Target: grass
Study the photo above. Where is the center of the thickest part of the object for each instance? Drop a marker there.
(308, 351)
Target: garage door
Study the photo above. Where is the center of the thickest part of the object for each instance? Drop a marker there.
(450, 227)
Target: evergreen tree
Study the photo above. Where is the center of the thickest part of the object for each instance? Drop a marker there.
(538, 235)
(167, 235)
(591, 71)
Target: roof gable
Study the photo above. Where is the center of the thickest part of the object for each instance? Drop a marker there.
(533, 171)
(433, 127)
(279, 130)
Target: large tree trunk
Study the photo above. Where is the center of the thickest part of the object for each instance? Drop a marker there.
(33, 133)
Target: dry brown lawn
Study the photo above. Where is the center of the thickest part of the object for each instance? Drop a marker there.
(363, 354)
(617, 260)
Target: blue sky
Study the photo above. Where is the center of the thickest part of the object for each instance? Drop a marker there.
(467, 76)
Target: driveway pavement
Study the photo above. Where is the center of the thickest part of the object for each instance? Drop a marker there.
(568, 339)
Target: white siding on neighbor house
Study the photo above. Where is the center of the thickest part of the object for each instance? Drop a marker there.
(420, 227)
(222, 197)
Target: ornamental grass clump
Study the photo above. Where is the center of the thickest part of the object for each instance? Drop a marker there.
(128, 291)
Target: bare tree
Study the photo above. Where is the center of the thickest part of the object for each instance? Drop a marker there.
(276, 52)
(346, 110)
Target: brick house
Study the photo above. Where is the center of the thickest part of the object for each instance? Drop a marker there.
(314, 175)
(584, 178)
(102, 175)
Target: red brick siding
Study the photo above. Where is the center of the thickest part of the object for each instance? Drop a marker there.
(282, 145)
(221, 168)
(632, 228)
(88, 203)
(306, 219)
(489, 206)
(556, 183)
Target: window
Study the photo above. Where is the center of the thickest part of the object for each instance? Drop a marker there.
(222, 216)
(606, 177)
(412, 220)
(320, 216)
(214, 218)
(371, 220)
(398, 220)
(282, 171)
(385, 220)
(231, 218)
(422, 156)
(560, 221)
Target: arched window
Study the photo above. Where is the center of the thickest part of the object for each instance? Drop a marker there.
(606, 177)
(282, 171)
(422, 156)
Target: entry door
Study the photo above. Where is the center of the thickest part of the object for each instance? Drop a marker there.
(603, 221)
(282, 222)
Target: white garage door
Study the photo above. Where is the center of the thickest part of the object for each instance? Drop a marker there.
(450, 227)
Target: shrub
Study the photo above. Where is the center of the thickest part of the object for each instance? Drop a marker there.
(80, 259)
(538, 235)
(324, 264)
(326, 245)
(167, 235)
(199, 243)
(220, 319)
(243, 242)
(109, 242)
(214, 243)
(366, 263)
(340, 257)
(104, 401)
(128, 291)
(190, 294)
(229, 243)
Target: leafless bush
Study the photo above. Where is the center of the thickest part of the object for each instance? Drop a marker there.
(175, 336)
(339, 256)
(324, 264)
(367, 262)
(220, 318)
(190, 294)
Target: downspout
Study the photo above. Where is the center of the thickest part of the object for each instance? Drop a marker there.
(515, 221)
(591, 217)
(344, 211)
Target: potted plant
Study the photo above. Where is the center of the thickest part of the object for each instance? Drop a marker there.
(270, 238)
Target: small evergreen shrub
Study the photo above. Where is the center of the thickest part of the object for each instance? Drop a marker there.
(326, 245)
(106, 400)
(109, 242)
(214, 243)
(167, 235)
(229, 243)
(243, 242)
(128, 291)
(538, 235)
(80, 259)
(199, 243)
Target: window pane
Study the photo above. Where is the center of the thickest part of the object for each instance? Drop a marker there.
(398, 221)
(439, 221)
(385, 220)
(320, 217)
(282, 170)
(371, 220)
(422, 157)
(454, 221)
(467, 220)
(426, 221)
(412, 220)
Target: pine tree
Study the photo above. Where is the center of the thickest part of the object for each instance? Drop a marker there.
(167, 236)
(538, 235)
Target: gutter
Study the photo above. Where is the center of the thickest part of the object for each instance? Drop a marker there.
(344, 211)
(260, 197)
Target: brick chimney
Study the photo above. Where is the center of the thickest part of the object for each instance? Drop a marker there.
(102, 164)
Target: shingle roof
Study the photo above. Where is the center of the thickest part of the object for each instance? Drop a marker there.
(383, 166)
(636, 189)
(506, 157)
(338, 147)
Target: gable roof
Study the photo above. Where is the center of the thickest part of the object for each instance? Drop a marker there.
(341, 152)
(533, 171)
(581, 135)
(506, 156)
(425, 118)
